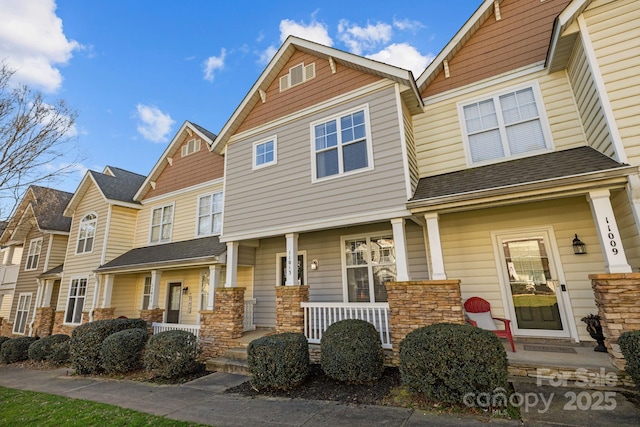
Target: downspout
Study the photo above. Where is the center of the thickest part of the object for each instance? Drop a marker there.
(96, 292)
(35, 306)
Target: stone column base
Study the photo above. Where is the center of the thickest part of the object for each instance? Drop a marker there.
(218, 328)
(43, 324)
(6, 330)
(150, 316)
(60, 328)
(289, 312)
(103, 313)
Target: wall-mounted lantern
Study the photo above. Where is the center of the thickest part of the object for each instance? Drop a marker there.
(579, 248)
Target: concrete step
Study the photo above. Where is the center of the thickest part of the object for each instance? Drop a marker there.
(224, 364)
(237, 353)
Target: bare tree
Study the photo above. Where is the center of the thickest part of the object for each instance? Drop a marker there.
(33, 136)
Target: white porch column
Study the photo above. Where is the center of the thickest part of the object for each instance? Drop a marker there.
(435, 247)
(615, 260)
(154, 296)
(46, 296)
(232, 265)
(400, 245)
(8, 255)
(39, 293)
(214, 282)
(108, 289)
(292, 259)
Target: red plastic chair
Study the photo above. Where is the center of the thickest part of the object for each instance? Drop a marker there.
(479, 305)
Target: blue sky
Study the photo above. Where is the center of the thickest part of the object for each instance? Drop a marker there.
(135, 70)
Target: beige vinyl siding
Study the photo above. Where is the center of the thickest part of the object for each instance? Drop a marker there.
(414, 173)
(283, 196)
(5, 307)
(325, 283)
(628, 228)
(121, 231)
(126, 295)
(438, 132)
(613, 28)
(58, 250)
(589, 105)
(185, 213)
(469, 253)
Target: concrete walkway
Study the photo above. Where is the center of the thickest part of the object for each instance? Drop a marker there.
(202, 401)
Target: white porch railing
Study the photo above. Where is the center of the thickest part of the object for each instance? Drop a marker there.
(162, 327)
(319, 315)
(248, 324)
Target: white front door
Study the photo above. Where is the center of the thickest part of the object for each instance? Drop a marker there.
(534, 293)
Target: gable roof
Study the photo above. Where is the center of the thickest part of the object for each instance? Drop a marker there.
(177, 253)
(561, 44)
(117, 186)
(546, 168)
(169, 152)
(279, 60)
(42, 205)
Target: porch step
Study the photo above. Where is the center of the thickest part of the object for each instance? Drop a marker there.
(224, 364)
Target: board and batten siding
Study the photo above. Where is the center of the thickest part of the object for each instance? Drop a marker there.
(122, 229)
(589, 104)
(282, 196)
(438, 132)
(469, 253)
(614, 32)
(185, 214)
(325, 283)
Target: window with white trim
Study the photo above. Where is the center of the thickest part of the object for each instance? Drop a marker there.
(75, 303)
(210, 214)
(369, 263)
(264, 153)
(87, 234)
(204, 289)
(507, 124)
(146, 293)
(161, 224)
(192, 146)
(342, 145)
(22, 314)
(33, 256)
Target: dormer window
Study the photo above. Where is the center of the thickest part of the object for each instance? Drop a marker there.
(192, 146)
(297, 75)
(87, 234)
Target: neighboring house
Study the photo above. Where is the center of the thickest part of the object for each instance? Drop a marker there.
(39, 231)
(9, 266)
(103, 226)
(529, 141)
(176, 259)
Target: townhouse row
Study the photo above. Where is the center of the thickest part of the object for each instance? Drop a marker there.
(508, 169)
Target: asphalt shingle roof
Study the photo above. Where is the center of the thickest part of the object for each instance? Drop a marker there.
(49, 207)
(555, 165)
(171, 252)
(122, 187)
(212, 136)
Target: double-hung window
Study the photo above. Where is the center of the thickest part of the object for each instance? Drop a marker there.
(22, 313)
(505, 125)
(342, 144)
(161, 223)
(209, 214)
(75, 304)
(369, 263)
(35, 246)
(87, 234)
(264, 153)
(146, 293)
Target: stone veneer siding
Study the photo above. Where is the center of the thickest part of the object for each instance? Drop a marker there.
(6, 330)
(618, 301)
(151, 316)
(43, 323)
(103, 313)
(60, 328)
(415, 304)
(220, 326)
(289, 312)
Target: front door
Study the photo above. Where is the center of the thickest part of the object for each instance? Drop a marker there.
(531, 285)
(173, 304)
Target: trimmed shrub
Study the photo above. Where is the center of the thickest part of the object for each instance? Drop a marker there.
(46, 346)
(16, 349)
(279, 361)
(446, 361)
(351, 351)
(630, 347)
(122, 351)
(172, 354)
(86, 342)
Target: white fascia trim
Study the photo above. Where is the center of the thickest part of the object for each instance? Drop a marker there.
(46, 258)
(224, 191)
(105, 243)
(363, 91)
(403, 144)
(175, 193)
(348, 220)
(124, 204)
(82, 188)
(560, 23)
(486, 83)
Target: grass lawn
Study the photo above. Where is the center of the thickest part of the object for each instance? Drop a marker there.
(27, 408)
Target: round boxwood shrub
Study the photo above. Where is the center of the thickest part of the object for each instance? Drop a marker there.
(279, 361)
(351, 351)
(446, 361)
(122, 351)
(85, 348)
(172, 354)
(630, 347)
(16, 349)
(43, 348)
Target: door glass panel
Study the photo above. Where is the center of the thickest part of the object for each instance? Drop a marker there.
(533, 289)
(175, 298)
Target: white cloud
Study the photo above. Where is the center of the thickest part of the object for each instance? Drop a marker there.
(405, 56)
(407, 24)
(359, 39)
(33, 42)
(214, 63)
(154, 125)
(315, 31)
(267, 54)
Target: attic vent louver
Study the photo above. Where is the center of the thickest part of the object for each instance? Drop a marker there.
(297, 75)
(191, 147)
